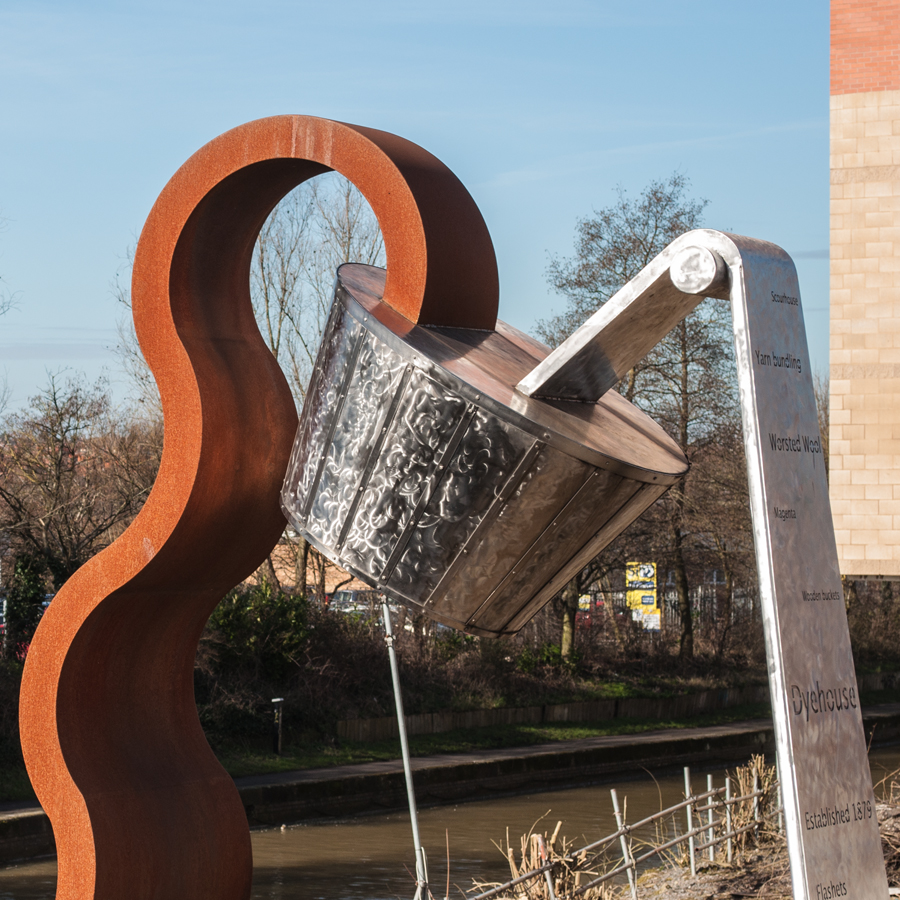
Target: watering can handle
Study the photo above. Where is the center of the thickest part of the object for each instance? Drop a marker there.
(631, 323)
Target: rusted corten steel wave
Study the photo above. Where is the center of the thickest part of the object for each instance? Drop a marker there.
(139, 805)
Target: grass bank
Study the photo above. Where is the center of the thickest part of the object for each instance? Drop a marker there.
(246, 761)
(249, 757)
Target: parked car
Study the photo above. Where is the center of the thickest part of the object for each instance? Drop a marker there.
(359, 602)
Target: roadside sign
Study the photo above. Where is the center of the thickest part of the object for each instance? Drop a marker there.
(641, 596)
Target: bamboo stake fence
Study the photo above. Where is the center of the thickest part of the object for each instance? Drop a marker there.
(759, 805)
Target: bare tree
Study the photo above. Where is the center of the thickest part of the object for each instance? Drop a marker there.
(144, 393)
(613, 245)
(686, 383)
(348, 232)
(72, 475)
(278, 288)
(7, 298)
(718, 518)
(319, 226)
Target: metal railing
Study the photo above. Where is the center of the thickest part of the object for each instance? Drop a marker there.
(718, 803)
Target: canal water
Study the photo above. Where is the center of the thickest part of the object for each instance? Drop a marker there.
(371, 858)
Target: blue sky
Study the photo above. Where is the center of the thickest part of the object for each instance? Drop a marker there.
(541, 109)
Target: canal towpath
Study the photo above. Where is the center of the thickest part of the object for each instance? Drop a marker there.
(376, 787)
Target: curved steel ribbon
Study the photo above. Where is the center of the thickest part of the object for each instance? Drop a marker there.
(139, 805)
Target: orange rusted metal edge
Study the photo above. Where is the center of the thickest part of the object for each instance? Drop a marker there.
(139, 805)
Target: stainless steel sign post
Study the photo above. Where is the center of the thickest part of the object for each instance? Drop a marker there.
(832, 831)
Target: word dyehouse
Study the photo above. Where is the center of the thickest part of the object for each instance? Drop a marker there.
(818, 700)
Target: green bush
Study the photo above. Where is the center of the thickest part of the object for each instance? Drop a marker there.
(25, 596)
(262, 630)
(547, 656)
(10, 683)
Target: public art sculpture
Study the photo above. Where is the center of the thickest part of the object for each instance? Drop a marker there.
(444, 457)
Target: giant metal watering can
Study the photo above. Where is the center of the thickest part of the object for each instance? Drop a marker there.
(436, 465)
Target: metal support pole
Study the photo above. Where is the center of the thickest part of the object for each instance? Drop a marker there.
(548, 875)
(690, 818)
(709, 820)
(421, 870)
(626, 853)
(728, 845)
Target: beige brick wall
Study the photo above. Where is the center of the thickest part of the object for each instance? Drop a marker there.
(865, 331)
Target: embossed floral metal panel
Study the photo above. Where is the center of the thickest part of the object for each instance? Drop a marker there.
(418, 467)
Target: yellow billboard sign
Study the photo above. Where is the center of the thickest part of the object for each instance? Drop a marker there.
(640, 587)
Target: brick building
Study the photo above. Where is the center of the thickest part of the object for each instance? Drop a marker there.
(865, 286)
